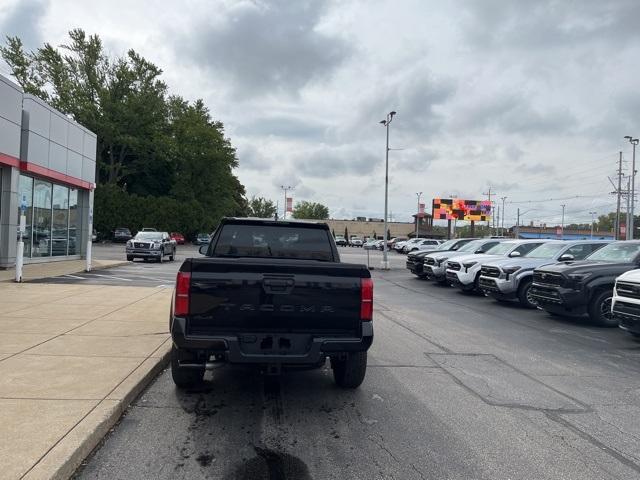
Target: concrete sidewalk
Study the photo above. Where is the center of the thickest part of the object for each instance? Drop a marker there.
(72, 357)
(35, 271)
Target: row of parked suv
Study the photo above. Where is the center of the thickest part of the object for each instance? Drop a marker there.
(595, 278)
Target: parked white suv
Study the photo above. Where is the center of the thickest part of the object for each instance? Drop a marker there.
(625, 304)
(464, 272)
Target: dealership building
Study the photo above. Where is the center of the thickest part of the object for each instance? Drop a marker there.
(47, 172)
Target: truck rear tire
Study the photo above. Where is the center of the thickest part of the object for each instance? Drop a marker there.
(350, 372)
(184, 378)
(600, 309)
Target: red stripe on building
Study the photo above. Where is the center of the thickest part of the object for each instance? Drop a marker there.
(53, 175)
(9, 160)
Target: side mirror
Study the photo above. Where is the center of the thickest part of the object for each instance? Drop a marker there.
(203, 249)
(567, 257)
(480, 250)
(515, 253)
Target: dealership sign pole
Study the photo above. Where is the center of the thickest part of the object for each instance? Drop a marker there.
(20, 247)
(89, 231)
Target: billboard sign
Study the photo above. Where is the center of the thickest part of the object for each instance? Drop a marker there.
(289, 204)
(461, 209)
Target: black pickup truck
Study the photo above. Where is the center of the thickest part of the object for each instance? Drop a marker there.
(585, 287)
(273, 294)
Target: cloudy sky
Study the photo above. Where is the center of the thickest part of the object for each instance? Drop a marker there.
(532, 99)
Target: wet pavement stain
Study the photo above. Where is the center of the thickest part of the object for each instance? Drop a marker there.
(270, 465)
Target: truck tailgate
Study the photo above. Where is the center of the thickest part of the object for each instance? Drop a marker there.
(274, 295)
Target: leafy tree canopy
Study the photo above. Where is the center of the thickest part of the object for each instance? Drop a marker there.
(261, 207)
(150, 143)
(310, 210)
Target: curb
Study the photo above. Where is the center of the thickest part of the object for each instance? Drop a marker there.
(62, 461)
(41, 277)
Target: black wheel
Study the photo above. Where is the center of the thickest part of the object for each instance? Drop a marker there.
(349, 373)
(161, 259)
(600, 309)
(129, 258)
(184, 377)
(524, 295)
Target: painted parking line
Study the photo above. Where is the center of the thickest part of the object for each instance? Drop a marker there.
(109, 277)
(74, 276)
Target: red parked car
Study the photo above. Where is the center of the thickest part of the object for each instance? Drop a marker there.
(178, 237)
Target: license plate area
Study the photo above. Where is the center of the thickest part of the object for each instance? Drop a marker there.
(275, 343)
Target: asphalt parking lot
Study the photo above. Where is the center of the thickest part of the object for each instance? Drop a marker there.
(458, 386)
(154, 274)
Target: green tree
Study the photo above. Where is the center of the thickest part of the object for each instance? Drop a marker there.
(346, 233)
(150, 144)
(261, 207)
(310, 210)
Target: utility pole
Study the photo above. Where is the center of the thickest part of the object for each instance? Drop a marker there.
(503, 214)
(498, 220)
(490, 206)
(419, 194)
(592, 222)
(517, 235)
(562, 227)
(617, 235)
(627, 233)
(286, 189)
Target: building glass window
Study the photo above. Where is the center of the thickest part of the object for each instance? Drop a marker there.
(41, 219)
(25, 192)
(60, 223)
(74, 223)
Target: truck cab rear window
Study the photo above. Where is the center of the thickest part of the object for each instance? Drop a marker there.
(265, 241)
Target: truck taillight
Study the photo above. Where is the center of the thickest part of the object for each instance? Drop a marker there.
(366, 299)
(181, 303)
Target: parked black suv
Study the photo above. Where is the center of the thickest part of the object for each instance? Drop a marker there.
(585, 287)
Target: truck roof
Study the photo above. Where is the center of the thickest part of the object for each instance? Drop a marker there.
(272, 222)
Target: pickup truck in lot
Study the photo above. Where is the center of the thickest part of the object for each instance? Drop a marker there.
(585, 287)
(626, 302)
(415, 260)
(435, 263)
(273, 294)
(511, 278)
(464, 271)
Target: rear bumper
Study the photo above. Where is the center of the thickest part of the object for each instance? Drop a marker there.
(230, 346)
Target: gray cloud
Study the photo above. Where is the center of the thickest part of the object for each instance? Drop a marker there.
(415, 96)
(328, 162)
(23, 20)
(250, 158)
(284, 126)
(262, 47)
(513, 113)
(504, 24)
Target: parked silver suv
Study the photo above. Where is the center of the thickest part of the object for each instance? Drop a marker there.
(511, 278)
(151, 245)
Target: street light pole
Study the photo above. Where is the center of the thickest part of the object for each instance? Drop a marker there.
(419, 194)
(630, 227)
(286, 189)
(592, 222)
(503, 215)
(385, 259)
(562, 227)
